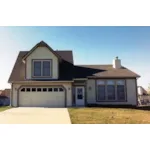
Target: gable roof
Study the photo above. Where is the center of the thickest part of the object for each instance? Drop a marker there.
(102, 71)
(41, 44)
(18, 71)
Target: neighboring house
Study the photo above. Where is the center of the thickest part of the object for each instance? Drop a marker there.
(5, 92)
(43, 77)
(4, 100)
(5, 97)
(142, 91)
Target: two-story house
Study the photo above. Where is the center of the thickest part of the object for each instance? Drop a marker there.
(43, 77)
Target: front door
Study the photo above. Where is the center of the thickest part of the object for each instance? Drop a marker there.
(79, 96)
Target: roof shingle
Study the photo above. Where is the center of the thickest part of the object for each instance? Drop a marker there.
(102, 71)
(68, 71)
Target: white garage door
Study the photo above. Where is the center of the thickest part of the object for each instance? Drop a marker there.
(42, 97)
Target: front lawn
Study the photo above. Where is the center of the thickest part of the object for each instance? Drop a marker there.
(109, 116)
(3, 108)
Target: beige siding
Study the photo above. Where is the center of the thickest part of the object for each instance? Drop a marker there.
(131, 93)
(91, 93)
(42, 53)
(14, 95)
(68, 87)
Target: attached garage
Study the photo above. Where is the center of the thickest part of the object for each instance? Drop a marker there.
(51, 96)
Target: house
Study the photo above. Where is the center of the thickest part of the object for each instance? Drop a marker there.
(4, 100)
(5, 92)
(5, 97)
(142, 91)
(43, 77)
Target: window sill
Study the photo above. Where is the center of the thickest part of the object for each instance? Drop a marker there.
(38, 77)
(111, 101)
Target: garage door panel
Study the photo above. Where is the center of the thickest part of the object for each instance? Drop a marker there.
(42, 98)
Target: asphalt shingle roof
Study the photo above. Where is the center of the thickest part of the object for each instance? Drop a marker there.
(68, 70)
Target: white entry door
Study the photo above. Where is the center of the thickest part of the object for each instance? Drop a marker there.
(79, 95)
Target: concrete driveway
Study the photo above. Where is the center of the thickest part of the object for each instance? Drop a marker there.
(25, 115)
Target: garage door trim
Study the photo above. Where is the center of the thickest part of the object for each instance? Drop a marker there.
(18, 96)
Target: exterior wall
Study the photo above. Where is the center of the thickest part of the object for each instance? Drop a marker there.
(91, 91)
(42, 53)
(130, 89)
(14, 95)
(68, 87)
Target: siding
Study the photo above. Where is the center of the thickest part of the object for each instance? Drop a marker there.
(42, 53)
(91, 93)
(14, 95)
(131, 93)
(68, 87)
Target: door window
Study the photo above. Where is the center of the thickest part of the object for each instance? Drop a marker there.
(79, 93)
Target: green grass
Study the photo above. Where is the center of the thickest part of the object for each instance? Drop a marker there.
(3, 108)
(109, 116)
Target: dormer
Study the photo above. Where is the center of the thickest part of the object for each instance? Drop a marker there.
(41, 62)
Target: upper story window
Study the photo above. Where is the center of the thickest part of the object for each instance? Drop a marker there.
(42, 68)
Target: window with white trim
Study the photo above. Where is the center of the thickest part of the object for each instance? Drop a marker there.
(42, 68)
(111, 90)
(33, 89)
(42, 89)
(120, 90)
(23, 90)
(101, 90)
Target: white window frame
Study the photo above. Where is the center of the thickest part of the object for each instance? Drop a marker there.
(110, 82)
(125, 90)
(41, 60)
(104, 82)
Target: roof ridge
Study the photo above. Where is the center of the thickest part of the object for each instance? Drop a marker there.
(54, 50)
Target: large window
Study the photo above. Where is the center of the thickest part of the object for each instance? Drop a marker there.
(101, 90)
(111, 90)
(41, 68)
(120, 90)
